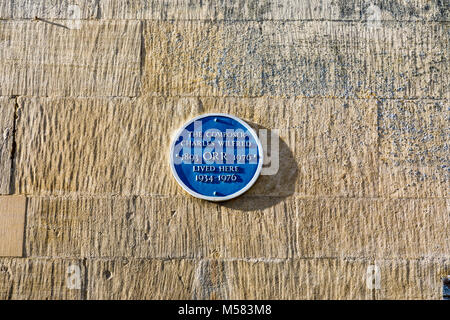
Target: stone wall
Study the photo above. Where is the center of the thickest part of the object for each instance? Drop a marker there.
(92, 91)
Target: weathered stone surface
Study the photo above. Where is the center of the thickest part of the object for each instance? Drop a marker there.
(379, 229)
(358, 90)
(230, 10)
(384, 10)
(327, 147)
(43, 58)
(334, 146)
(107, 146)
(414, 148)
(7, 107)
(295, 279)
(140, 279)
(218, 279)
(248, 227)
(412, 279)
(49, 9)
(39, 279)
(156, 227)
(193, 58)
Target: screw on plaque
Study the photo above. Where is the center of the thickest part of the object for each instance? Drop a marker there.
(220, 120)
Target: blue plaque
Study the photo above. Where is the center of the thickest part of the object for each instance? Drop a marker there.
(216, 157)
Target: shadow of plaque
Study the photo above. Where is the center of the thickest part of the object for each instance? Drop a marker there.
(269, 190)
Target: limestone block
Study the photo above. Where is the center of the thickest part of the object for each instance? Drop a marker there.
(248, 227)
(107, 146)
(376, 229)
(329, 149)
(385, 10)
(298, 279)
(43, 58)
(414, 150)
(140, 279)
(240, 10)
(289, 59)
(412, 279)
(156, 227)
(40, 279)
(48, 9)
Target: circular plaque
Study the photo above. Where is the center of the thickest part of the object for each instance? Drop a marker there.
(216, 157)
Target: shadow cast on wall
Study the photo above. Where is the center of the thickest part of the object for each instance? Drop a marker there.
(269, 189)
